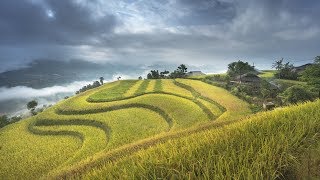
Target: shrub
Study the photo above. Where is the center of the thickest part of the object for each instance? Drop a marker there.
(296, 94)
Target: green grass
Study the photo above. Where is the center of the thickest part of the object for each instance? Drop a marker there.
(132, 91)
(235, 108)
(200, 77)
(267, 74)
(24, 155)
(142, 88)
(121, 117)
(264, 146)
(158, 86)
(167, 129)
(114, 93)
(151, 86)
(285, 83)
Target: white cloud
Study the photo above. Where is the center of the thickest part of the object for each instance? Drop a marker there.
(23, 92)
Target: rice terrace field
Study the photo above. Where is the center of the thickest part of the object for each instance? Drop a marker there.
(149, 129)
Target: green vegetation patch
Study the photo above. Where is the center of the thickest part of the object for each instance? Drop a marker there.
(113, 93)
(81, 137)
(117, 117)
(158, 86)
(142, 88)
(133, 89)
(267, 74)
(233, 106)
(151, 86)
(24, 155)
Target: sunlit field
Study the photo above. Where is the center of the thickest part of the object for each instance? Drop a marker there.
(273, 145)
(118, 118)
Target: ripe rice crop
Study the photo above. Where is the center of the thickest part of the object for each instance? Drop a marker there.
(266, 146)
(151, 86)
(118, 117)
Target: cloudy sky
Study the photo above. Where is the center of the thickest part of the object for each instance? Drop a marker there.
(195, 32)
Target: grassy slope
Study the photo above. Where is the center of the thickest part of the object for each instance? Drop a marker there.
(267, 74)
(266, 146)
(199, 77)
(235, 109)
(75, 129)
(23, 154)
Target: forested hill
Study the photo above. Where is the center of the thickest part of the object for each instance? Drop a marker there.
(45, 73)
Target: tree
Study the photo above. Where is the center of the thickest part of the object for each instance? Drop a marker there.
(101, 80)
(278, 66)
(4, 120)
(180, 72)
(96, 84)
(182, 68)
(288, 72)
(118, 78)
(317, 60)
(312, 75)
(285, 70)
(140, 78)
(296, 94)
(239, 68)
(32, 106)
(15, 119)
(154, 74)
(164, 74)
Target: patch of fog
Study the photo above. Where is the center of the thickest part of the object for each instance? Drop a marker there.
(13, 100)
(23, 92)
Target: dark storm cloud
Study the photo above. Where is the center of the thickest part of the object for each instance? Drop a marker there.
(50, 22)
(146, 31)
(206, 12)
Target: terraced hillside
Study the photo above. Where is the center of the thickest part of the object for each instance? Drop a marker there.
(110, 122)
(280, 144)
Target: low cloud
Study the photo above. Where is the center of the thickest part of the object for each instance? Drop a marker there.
(13, 100)
(23, 92)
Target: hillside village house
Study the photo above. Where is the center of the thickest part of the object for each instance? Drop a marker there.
(248, 78)
(195, 73)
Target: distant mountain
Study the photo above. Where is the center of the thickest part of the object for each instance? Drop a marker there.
(301, 68)
(44, 73)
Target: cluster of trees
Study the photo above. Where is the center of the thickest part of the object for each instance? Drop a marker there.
(312, 75)
(5, 120)
(180, 72)
(257, 93)
(91, 86)
(295, 94)
(285, 70)
(238, 68)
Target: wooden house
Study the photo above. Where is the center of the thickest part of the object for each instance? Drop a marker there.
(248, 78)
